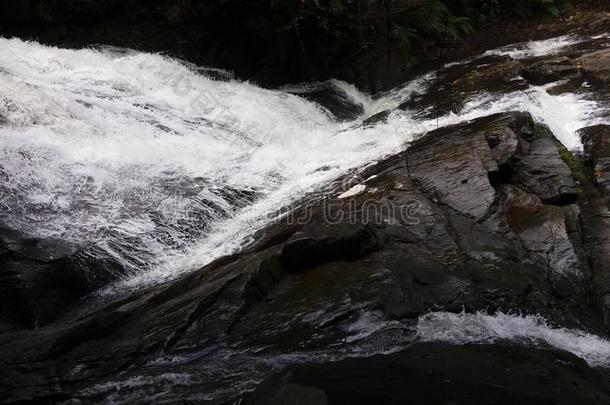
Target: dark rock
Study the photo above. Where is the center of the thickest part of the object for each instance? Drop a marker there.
(412, 239)
(542, 169)
(595, 215)
(462, 173)
(319, 243)
(596, 143)
(331, 97)
(436, 373)
(454, 84)
(550, 70)
(42, 277)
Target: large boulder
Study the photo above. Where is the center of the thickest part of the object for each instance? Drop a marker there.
(551, 70)
(596, 66)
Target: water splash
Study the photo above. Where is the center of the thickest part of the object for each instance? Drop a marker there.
(526, 329)
(536, 48)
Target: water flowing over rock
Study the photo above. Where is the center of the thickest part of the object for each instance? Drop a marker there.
(394, 252)
(169, 233)
(41, 277)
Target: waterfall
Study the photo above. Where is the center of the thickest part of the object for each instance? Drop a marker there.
(165, 167)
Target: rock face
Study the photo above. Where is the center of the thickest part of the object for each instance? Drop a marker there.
(42, 277)
(435, 373)
(478, 216)
(551, 70)
(596, 142)
(596, 66)
(595, 213)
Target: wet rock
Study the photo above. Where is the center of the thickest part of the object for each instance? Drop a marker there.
(542, 230)
(596, 66)
(434, 373)
(332, 97)
(595, 220)
(471, 217)
(243, 38)
(447, 92)
(550, 70)
(541, 168)
(503, 143)
(319, 243)
(462, 173)
(43, 276)
(596, 144)
(595, 214)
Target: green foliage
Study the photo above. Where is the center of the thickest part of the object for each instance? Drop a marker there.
(410, 19)
(405, 35)
(458, 27)
(357, 24)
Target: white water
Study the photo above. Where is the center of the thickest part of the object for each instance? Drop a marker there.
(464, 328)
(482, 328)
(536, 48)
(166, 169)
(564, 114)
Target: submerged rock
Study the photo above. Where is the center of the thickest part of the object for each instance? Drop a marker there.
(332, 97)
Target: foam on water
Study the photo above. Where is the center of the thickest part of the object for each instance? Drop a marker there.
(536, 48)
(564, 114)
(531, 329)
(601, 36)
(167, 169)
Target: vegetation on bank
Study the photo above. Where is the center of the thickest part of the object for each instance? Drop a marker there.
(405, 22)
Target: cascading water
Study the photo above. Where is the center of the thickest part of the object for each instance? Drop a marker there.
(142, 155)
(164, 168)
(483, 328)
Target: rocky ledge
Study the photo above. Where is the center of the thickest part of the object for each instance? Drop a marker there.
(492, 214)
